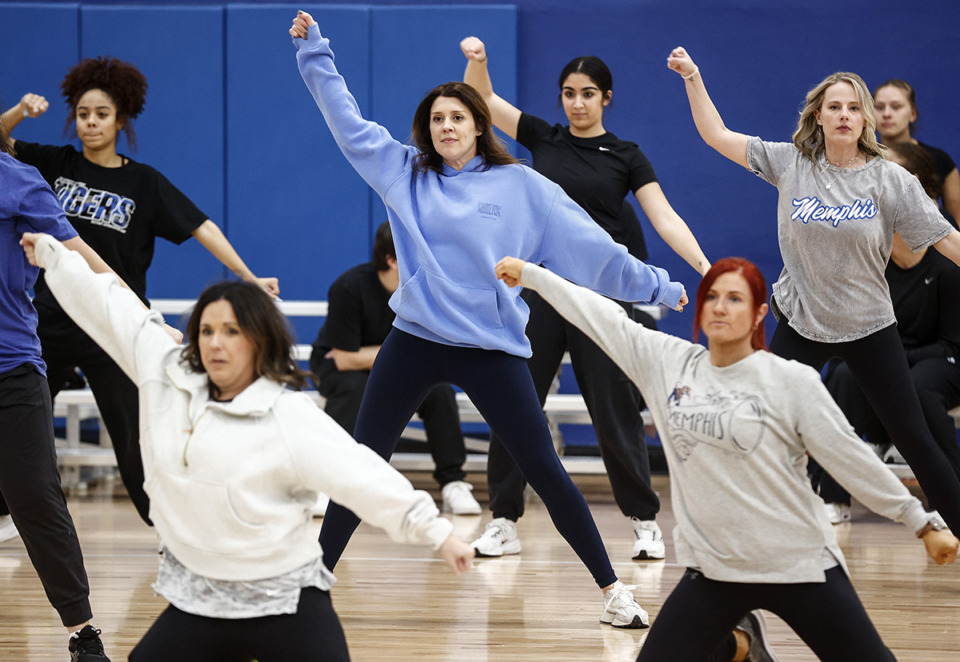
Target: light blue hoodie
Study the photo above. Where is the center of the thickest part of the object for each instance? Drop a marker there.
(450, 229)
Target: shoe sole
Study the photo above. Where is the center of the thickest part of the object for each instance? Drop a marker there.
(636, 624)
(644, 555)
(508, 549)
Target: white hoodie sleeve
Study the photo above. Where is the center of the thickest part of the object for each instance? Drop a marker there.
(109, 313)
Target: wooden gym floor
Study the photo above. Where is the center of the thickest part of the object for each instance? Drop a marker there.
(400, 603)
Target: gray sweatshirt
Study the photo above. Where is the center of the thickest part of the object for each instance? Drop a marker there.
(736, 440)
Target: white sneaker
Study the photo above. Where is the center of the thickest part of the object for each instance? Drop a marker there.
(649, 544)
(458, 500)
(499, 538)
(320, 507)
(8, 530)
(837, 513)
(620, 608)
(893, 456)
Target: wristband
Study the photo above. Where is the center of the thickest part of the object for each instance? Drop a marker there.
(691, 76)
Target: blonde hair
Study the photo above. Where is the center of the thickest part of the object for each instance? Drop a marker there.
(809, 135)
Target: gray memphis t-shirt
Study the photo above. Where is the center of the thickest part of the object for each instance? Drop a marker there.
(835, 228)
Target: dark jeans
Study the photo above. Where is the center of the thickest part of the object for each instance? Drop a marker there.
(499, 384)
(439, 413)
(65, 348)
(614, 404)
(313, 633)
(938, 387)
(701, 612)
(30, 483)
(880, 367)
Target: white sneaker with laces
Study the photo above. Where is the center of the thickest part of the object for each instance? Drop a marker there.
(620, 608)
(320, 507)
(649, 543)
(499, 538)
(8, 530)
(458, 500)
(837, 513)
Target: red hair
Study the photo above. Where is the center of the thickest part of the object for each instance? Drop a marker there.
(756, 283)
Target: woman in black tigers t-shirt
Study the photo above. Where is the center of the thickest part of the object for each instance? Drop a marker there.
(119, 207)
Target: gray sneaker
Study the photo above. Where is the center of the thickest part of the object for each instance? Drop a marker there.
(754, 625)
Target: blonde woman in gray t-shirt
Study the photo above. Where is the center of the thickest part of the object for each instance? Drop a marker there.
(737, 442)
(840, 204)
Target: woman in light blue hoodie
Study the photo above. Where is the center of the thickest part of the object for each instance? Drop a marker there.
(457, 202)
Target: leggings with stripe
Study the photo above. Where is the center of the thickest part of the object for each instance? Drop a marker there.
(501, 387)
(880, 368)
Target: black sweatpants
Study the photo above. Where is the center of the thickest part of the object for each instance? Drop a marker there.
(614, 404)
(66, 347)
(499, 384)
(938, 387)
(700, 613)
(313, 633)
(30, 483)
(879, 366)
(343, 391)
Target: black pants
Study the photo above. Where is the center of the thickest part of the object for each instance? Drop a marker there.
(66, 347)
(701, 612)
(30, 483)
(612, 400)
(880, 368)
(499, 384)
(313, 633)
(439, 413)
(938, 387)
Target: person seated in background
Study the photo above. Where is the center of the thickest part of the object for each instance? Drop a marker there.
(358, 321)
(923, 288)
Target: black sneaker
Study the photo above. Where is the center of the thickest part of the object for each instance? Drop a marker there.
(85, 646)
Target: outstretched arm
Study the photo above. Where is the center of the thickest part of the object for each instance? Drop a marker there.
(31, 105)
(505, 115)
(949, 246)
(213, 239)
(731, 144)
(671, 228)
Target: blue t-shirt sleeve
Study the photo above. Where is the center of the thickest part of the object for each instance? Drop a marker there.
(39, 210)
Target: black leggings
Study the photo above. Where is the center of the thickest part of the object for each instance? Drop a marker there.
(30, 482)
(499, 384)
(700, 613)
(313, 633)
(880, 367)
(614, 404)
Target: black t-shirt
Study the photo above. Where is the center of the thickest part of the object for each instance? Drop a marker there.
(358, 314)
(944, 166)
(119, 212)
(925, 302)
(597, 174)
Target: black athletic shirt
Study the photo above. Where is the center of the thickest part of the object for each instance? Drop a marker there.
(358, 312)
(925, 302)
(119, 212)
(597, 173)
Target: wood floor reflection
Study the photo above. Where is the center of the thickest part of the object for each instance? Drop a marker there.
(400, 603)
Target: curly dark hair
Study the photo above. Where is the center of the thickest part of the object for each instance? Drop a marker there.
(261, 321)
(122, 81)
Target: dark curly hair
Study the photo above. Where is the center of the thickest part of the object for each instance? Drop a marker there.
(121, 81)
(260, 320)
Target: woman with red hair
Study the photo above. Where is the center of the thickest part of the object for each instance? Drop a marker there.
(748, 527)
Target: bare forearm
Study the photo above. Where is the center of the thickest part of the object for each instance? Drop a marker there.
(362, 359)
(11, 118)
(213, 239)
(949, 246)
(671, 228)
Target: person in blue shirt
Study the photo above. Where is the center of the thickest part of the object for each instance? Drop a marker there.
(29, 480)
(457, 202)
